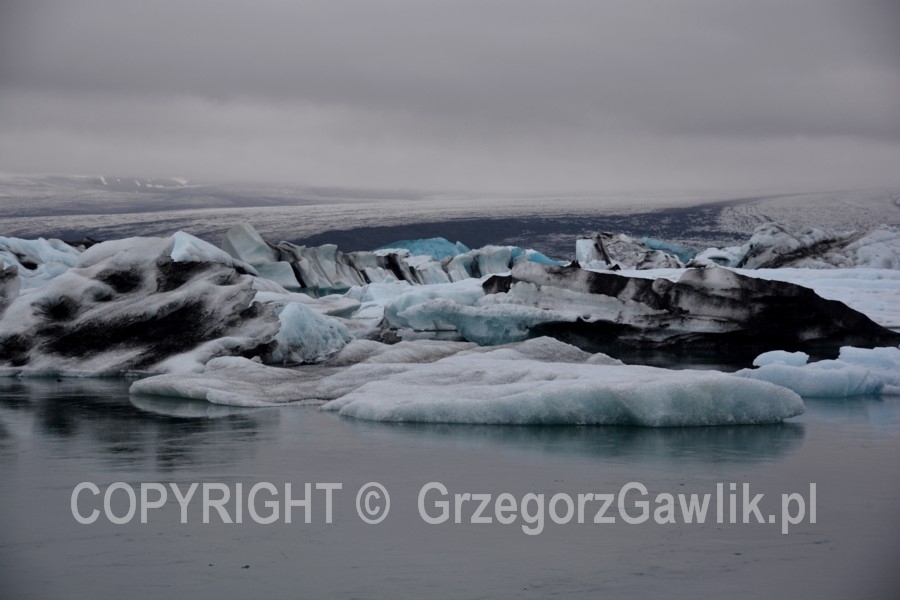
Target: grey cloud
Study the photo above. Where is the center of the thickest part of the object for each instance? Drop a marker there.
(554, 87)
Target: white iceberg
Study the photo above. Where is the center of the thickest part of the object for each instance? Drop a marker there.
(856, 372)
(158, 305)
(540, 381)
(36, 261)
(781, 357)
(773, 245)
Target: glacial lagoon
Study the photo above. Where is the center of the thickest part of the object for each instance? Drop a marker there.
(57, 434)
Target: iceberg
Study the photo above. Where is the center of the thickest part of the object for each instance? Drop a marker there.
(173, 304)
(780, 357)
(232, 381)
(435, 248)
(619, 251)
(36, 261)
(484, 390)
(305, 336)
(325, 269)
(539, 381)
(773, 245)
(155, 305)
(856, 372)
(712, 311)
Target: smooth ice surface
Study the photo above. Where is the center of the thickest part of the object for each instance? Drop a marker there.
(793, 359)
(486, 389)
(244, 243)
(537, 382)
(856, 372)
(231, 381)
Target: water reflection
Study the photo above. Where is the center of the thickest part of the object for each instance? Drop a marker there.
(736, 444)
(99, 417)
(187, 409)
(882, 413)
(95, 417)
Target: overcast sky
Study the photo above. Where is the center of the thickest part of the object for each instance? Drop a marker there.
(512, 95)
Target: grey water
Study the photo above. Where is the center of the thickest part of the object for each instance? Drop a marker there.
(57, 434)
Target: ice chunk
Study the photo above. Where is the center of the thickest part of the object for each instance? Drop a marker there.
(857, 371)
(740, 316)
(307, 337)
(37, 261)
(369, 351)
(587, 251)
(127, 305)
(721, 257)
(233, 381)
(879, 249)
(281, 273)
(615, 251)
(482, 389)
(325, 269)
(487, 325)
(244, 243)
(437, 248)
(529, 255)
(424, 270)
(464, 292)
(774, 246)
(683, 254)
(540, 381)
(187, 248)
(793, 359)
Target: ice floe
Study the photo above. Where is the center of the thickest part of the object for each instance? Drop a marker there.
(857, 371)
(540, 381)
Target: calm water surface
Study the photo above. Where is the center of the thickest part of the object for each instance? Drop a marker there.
(54, 435)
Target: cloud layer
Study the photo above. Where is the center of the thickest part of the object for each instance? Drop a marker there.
(512, 95)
